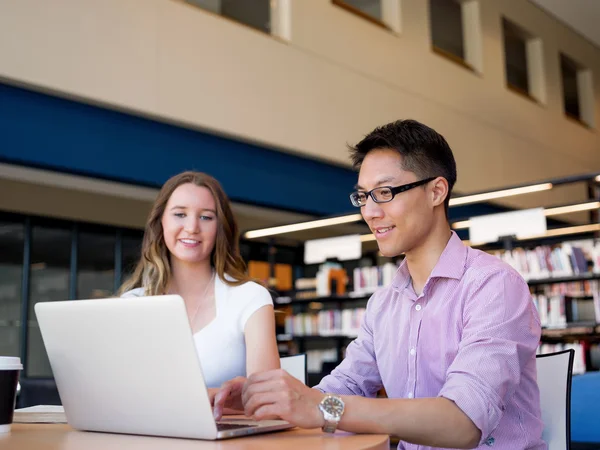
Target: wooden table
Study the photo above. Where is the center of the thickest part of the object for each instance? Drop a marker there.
(63, 437)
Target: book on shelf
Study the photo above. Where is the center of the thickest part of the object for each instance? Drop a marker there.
(369, 279)
(316, 358)
(332, 322)
(579, 361)
(564, 303)
(576, 258)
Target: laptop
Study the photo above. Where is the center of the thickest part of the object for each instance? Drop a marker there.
(129, 365)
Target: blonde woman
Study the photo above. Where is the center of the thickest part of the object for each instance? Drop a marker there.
(191, 248)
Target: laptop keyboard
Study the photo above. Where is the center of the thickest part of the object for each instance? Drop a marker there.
(232, 426)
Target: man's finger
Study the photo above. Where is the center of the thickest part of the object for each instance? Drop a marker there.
(251, 389)
(258, 400)
(267, 412)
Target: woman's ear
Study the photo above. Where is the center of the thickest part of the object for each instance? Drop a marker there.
(439, 191)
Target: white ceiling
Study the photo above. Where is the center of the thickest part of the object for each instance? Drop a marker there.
(581, 15)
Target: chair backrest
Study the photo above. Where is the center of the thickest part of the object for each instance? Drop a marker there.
(295, 366)
(554, 380)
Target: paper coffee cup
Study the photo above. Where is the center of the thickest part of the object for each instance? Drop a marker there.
(9, 378)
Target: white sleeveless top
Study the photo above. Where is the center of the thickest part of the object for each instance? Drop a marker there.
(221, 345)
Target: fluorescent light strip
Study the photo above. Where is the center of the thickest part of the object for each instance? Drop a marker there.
(302, 226)
(557, 211)
(571, 208)
(461, 225)
(550, 233)
(467, 199)
(567, 230)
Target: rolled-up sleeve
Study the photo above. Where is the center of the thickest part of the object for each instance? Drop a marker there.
(357, 374)
(501, 332)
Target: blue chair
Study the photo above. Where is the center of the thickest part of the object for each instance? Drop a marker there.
(585, 398)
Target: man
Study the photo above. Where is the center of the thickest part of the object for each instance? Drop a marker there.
(452, 339)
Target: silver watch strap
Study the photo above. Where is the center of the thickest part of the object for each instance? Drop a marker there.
(329, 426)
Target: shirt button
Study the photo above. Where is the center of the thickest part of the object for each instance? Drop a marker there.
(418, 307)
(410, 395)
(413, 351)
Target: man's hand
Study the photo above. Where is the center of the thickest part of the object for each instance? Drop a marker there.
(276, 394)
(228, 396)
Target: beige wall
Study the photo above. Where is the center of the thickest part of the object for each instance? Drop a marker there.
(337, 78)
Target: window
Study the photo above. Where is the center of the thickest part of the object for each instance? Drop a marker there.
(568, 70)
(11, 273)
(515, 50)
(456, 31)
(368, 9)
(131, 252)
(95, 264)
(255, 13)
(523, 61)
(49, 281)
(447, 27)
(577, 90)
(66, 260)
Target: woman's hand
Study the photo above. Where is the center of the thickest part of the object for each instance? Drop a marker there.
(228, 398)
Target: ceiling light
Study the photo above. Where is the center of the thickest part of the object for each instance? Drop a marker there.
(461, 225)
(302, 226)
(556, 211)
(598, 178)
(571, 208)
(467, 199)
(568, 230)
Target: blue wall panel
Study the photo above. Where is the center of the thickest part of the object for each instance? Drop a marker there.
(53, 133)
(49, 132)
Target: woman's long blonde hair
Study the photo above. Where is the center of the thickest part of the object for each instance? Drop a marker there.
(153, 271)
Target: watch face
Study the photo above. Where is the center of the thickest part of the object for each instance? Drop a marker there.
(333, 406)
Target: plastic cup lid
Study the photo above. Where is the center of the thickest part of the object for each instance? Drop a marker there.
(10, 363)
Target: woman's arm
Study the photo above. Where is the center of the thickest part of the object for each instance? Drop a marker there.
(261, 342)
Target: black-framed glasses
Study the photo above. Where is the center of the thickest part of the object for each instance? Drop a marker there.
(384, 194)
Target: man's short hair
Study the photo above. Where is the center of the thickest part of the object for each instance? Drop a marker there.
(424, 151)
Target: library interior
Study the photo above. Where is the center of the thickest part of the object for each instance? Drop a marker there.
(102, 102)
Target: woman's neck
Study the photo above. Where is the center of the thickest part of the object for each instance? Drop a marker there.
(189, 278)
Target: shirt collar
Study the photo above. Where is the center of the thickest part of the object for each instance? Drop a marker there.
(451, 264)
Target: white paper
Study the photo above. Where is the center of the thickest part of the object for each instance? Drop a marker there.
(40, 414)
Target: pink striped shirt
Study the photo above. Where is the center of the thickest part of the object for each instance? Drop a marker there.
(471, 337)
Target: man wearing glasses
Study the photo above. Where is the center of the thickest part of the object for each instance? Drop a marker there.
(452, 340)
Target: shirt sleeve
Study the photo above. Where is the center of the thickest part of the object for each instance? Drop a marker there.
(258, 297)
(500, 337)
(358, 373)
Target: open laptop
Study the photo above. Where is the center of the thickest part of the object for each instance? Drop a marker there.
(129, 365)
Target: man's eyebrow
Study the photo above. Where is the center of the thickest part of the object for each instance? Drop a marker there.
(358, 187)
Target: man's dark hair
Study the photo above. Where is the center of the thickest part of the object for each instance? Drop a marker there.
(424, 151)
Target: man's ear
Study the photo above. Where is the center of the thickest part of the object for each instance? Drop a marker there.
(439, 191)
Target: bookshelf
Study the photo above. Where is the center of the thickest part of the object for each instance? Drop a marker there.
(572, 319)
(564, 280)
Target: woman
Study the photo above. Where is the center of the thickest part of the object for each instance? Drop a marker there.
(190, 248)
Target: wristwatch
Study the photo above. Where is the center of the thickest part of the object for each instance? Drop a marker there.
(332, 408)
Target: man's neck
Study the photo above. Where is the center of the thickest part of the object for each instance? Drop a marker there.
(422, 259)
